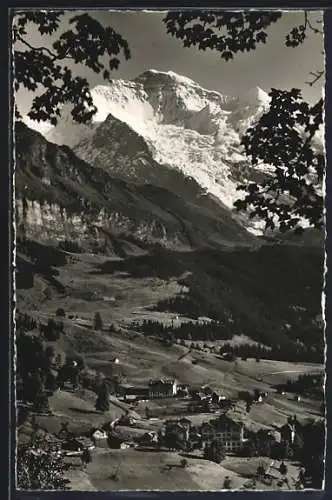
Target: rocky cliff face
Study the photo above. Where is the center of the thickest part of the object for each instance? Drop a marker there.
(161, 119)
(60, 197)
(162, 124)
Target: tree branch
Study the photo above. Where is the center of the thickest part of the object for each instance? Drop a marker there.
(317, 75)
(315, 30)
(41, 49)
(38, 49)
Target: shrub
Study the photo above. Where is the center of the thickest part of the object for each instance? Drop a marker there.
(51, 335)
(51, 383)
(41, 403)
(283, 469)
(98, 322)
(60, 326)
(215, 452)
(39, 467)
(261, 470)
(60, 312)
(70, 246)
(49, 352)
(51, 331)
(227, 483)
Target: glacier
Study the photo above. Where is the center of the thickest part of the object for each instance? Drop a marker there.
(186, 127)
(174, 121)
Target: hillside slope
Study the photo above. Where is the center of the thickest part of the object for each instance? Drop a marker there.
(60, 197)
(265, 291)
(163, 119)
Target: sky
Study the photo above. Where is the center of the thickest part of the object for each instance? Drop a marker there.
(270, 65)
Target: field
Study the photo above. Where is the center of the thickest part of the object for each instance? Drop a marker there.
(136, 470)
(161, 471)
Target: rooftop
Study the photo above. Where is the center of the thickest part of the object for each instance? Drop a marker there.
(162, 381)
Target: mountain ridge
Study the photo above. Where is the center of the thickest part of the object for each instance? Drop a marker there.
(56, 192)
(63, 204)
(184, 127)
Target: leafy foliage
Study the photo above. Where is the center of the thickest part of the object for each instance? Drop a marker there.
(39, 466)
(284, 139)
(283, 136)
(226, 32)
(43, 68)
(215, 452)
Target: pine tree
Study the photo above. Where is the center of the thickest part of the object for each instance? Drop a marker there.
(102, 402)
(98, 322)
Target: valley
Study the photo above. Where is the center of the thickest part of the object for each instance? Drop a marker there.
(128, 294)
(158, 329)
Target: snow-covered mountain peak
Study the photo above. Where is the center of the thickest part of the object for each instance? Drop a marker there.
(161, 118)
(256, 96)
(154, 75)
(170, 119)
(126, 100)
(42, 127)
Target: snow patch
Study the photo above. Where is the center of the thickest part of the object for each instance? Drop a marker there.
(182, 125)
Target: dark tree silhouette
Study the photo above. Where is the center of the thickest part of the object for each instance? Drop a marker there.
(284, 139)
(98, 322)
(102, 402)
(284, 135)
(43, 69)
(60, 312)
(227, 483)
(39, 467)
(261, 471)
(283, 469)
(215, 452)
(225, 32)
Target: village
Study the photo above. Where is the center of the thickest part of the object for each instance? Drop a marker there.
(161, 415)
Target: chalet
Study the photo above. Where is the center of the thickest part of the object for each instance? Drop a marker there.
(228, 356)
(162, 388)
(125, 446)
(182, 390)
(149, 438)
(200, 396)
(100, 438)
(216, 398)
(128, 391)
(76, 444)
(226, 430)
